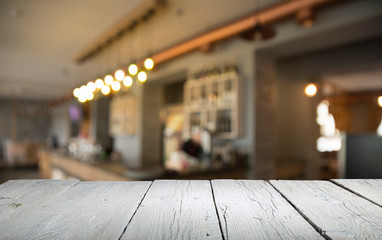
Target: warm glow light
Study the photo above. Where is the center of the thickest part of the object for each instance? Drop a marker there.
(119, 75)
(133, 69)
(83, 94)
(90, 96)
(91, 86)
(109, 80)
(322, 112)
(142, 76)
(330, 139)
(379, 130)
(116, 86)
(105, 90)
(380, 101)
(128, 81)
(99, 83)
(76, 92)
(82, 99)
(83, 91)
(149, 63)
(311, 90)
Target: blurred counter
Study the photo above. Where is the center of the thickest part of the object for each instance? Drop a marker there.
(56, 164)
(59, 165)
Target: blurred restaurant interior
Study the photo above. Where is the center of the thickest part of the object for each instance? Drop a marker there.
(174, 89)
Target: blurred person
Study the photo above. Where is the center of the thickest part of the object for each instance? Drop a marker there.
(193, 146)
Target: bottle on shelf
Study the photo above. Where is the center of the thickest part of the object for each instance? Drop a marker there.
(227, 93)
(203, 95)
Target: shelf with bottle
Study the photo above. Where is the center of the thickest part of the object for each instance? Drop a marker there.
(224, 121)
(213, 71)
(213, 93)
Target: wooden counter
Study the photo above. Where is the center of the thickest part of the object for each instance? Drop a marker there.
(108, 171)
(99, 171)
(169, 209)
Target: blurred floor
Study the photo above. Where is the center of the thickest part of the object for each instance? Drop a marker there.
(7, 173)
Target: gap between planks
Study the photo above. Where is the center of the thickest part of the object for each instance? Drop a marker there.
(216, 209)
(124, 230)
(317, 228)
(354, 192)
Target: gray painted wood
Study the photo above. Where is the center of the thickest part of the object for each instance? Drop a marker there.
(255, 210)
(17, 197)
(370, 189)
(88, 210)
(33, 188)
(336, 212)
(176, 210)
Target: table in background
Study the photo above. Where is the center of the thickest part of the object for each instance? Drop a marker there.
(169, 209)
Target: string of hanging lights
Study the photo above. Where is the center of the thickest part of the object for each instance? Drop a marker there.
(120, 80)
(87, 92)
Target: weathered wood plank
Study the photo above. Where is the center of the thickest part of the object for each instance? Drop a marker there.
(88, 210)
(33, 188)
(176, 210)
(255, 210)
(336, 212)
(370, 189)
(20, 196)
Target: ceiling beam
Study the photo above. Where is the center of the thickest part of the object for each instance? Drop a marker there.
(267, 16)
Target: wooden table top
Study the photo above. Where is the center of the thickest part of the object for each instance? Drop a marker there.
(171, 209)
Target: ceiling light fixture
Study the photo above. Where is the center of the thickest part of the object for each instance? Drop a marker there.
(142, 76)
(149, 63)
(108, 79)
(105, 90)
(119, 75)
(259, 32)
(305, 17)
(99, 83)
(90, 96)
(91, 86)
(128, 81)
(116, 86)
(133, 69)
(311, 90)
(76, 92)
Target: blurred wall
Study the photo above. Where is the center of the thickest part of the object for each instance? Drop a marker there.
(152, 132)
(130, 147)
(60, 127)
(99, 122)
(5, 118)
(23, 120)
(296, 114)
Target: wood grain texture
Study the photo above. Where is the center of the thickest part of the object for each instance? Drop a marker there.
(255, 210)
(336, 212)
(88, 210)
(18, 197)
(176, 210)
(370, 189)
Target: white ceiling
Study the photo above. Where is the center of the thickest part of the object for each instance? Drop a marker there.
(39, 38)
(360, 81)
